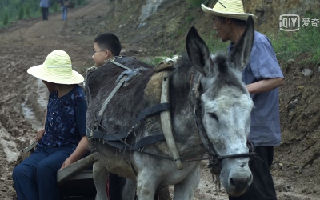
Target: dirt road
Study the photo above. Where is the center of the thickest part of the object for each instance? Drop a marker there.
(22, 100)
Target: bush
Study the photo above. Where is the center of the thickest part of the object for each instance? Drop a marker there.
(21, 13)
(28, 14)
(55, 7)
(5, 19)
(80, 2)
(195, 3)
(292, 44)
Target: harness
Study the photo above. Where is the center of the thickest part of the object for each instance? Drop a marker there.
(119, 140)
(215, 159)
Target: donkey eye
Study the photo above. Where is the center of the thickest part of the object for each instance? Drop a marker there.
(213, 115)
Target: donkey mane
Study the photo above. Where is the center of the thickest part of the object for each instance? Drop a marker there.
(225, 76)
(181, 74)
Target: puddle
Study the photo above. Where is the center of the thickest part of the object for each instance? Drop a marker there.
(30, 116)
(42, 99)
(42, 92)
(8, 145)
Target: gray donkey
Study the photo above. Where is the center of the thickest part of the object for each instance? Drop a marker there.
(210, 113)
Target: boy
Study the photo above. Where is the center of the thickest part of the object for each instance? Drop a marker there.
(105, 47)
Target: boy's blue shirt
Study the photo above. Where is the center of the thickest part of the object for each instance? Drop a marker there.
(65, 120)
(45, 3)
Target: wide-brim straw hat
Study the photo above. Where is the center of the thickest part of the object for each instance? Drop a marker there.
(57, 68)
(228, 9)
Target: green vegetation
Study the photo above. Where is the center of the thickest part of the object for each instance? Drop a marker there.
(195, 3)
(214, 43)
(5, 18)
(303, 44)
(153, 61)
(13, 10)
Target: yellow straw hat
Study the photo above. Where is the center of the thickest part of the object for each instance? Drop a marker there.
(228, 9)
(57, 68)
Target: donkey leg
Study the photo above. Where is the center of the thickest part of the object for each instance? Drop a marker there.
(147, 183)
(185, 189)
(129, 190)
(100, 177)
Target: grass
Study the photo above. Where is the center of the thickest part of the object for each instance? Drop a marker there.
(215, 44)
(303, 44)
(13, 10)
(289, 45)
(195, 3)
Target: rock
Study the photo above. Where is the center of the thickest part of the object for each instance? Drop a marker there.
(103, 23)
(290, 61)
(319, 68)
(280, 165)
(300, 87)
(307, 72)
(293, 104)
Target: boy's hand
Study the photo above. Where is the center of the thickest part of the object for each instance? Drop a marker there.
(66, 163)
(40, 134)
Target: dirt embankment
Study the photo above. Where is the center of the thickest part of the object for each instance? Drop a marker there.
(297, 162)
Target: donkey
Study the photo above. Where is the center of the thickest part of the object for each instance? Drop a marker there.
(210, 111)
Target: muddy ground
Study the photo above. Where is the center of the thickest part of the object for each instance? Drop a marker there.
(26, 43)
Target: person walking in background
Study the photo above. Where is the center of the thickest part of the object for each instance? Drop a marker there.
(44, 4)
(64, 8)
(262, 76)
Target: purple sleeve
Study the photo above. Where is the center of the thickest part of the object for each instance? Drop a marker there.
(263, 61)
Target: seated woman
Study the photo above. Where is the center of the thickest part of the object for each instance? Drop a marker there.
(63, 141)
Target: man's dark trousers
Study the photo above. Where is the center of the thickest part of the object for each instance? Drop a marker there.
(45, 13)
(262, 187)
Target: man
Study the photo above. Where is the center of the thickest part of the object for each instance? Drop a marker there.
(262, 76)
(64, 8)
(44, 4)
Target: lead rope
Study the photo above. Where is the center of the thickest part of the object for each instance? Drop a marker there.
(214, 162)
(111, 95)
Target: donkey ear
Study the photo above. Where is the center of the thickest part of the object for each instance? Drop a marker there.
(240, 55)
(198, 51)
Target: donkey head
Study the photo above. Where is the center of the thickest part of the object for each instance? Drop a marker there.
(226, 105)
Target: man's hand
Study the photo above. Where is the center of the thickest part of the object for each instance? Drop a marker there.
(264, 85)
(40, 134)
